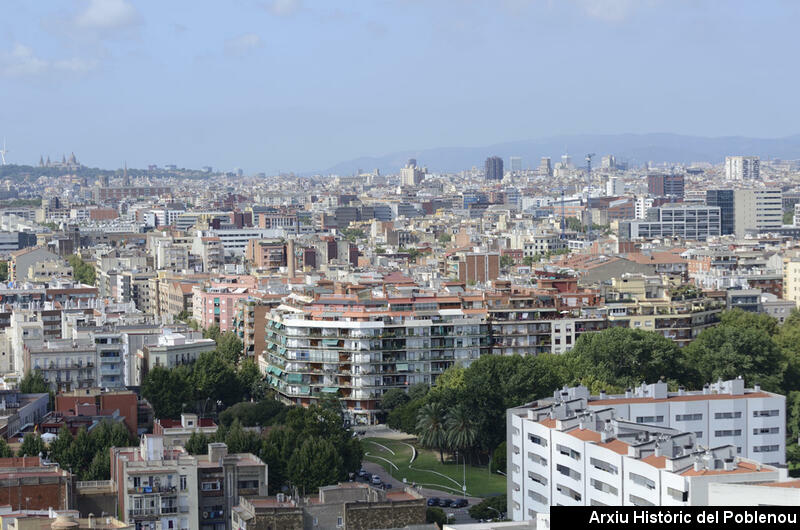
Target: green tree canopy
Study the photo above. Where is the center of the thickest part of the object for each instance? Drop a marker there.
(215, 379)
(393, 399)
(168, 391)
(32, 445)
(33, 383)
(316, 463)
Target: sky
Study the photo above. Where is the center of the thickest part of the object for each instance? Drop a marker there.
(299, 85)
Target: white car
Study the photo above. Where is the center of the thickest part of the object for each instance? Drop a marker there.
(376, 480)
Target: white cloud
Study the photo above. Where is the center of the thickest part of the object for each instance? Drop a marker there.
(285, 7)
(22, 61)
(242, 44)
(106, 15)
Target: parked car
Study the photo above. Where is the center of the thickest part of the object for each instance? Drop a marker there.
(445, 503)
(460, 503)
(376, 480)
(387, 486)
(433, 501)
(362, 473)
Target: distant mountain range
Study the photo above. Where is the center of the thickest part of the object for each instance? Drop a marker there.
(636, 149)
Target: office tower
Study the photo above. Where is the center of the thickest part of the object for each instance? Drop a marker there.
(758, 210)
(546, 167)
(515, 164)
(724, 200)
(614, 187)
(742, 167)
(566, 161)
(661, 185)
(494, 168)
(609, 162)
(686, 221)
(411, 175)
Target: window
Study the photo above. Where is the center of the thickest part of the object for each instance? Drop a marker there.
(538, 497)
(649, 419)
(727, 415)
(678, 495)
(569, 492)
(728, 432)
(638, 501)
(566, 451)
(642, 481)
(688, 417)
(533, 457)
(604, 466)
(537, 440)
(571, 473)
(765, 413)
(537, 478)
(339, 522)
(766, 430)
(602, 486)
(765, 448)
(183, 482)
(210, 486)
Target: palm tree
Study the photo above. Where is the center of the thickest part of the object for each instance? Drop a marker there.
(461, 430)
(431, 429)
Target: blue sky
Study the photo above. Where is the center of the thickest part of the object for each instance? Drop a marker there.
(298, 85)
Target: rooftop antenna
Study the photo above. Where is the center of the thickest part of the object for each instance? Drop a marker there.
(3, 152)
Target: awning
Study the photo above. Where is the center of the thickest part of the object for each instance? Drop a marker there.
(330, 389)
(270, 333)
(281, 350)
(294, 378)
(402, 367)
(304, 390)
(274, 370)
(330, 342)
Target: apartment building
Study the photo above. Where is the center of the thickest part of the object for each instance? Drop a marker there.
(358, 349)
(160, 487)
(681, 220)
(561, 452)
(217, 306)
(177, 432)
(65, 364)
(722, 413)
(250, 322)
(171, 349)
(757, 210)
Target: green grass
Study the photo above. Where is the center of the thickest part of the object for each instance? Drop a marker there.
(428, 472)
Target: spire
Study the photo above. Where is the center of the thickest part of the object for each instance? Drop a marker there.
(125, 180)
(41, 161)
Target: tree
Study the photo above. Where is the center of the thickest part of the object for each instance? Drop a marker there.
(499, 458)
(3, 271)
(212, 332)
(249, 377)
(434, 514)
(418, 390)
(489, 508)
(625, 357)
(230, 347)
(82, 272)
(197, 444)
(745, 319)
(462, 432)
(239, 440)
(404, 417)
(316, 463)
(262, 413)
(100, 467)
(32, 445)
(393, 399)
(168, 391)
(34, 383)
(445, 238)
(60, 448)
(527, 261)
(5, 449)
(215, 379)
(727, 351)
(431, 427)
(506, 261)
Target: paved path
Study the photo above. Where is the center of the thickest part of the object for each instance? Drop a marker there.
(462, 516)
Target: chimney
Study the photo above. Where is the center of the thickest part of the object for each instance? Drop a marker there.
(706, 389)
(757, 387)
(603, 394)
(628, 392)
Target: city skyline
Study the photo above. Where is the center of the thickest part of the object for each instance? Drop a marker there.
(301, 86)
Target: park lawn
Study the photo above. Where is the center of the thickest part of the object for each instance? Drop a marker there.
(428, 472)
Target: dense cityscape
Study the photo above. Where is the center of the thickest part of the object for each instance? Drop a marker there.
(441, 265)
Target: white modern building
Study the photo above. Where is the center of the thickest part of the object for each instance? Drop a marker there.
(759, 210)
(742, 168)
(614, 187)
(575, 450)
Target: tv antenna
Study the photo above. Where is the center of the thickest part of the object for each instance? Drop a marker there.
(3, 152)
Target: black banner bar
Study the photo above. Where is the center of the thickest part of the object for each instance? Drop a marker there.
(637, 517)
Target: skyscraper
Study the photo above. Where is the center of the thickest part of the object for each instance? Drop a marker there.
(494, 168)
(742, 168)
(515, 164)
(546, 167)
(723, 199)
(661, 185)
(411, 175)
(758, 210)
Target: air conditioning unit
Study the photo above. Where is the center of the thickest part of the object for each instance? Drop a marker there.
(205, 515)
